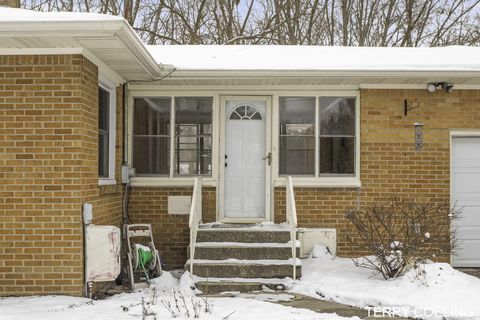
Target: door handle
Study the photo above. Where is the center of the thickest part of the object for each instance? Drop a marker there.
(268, 157)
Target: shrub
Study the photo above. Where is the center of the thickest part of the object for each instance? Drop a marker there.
(400, 233)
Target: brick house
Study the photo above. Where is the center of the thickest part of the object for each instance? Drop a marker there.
(80, 95)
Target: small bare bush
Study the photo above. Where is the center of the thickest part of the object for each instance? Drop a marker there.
(400, 233)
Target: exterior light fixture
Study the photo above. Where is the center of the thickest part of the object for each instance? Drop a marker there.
(433, 86)
(448, 87)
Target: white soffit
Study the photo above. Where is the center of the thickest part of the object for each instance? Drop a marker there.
(106, 40)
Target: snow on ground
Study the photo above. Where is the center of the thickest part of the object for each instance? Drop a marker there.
(128, 306)
(433, 291)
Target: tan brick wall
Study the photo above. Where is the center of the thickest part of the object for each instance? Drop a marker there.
(48, 169)
(149, 205)
(107, 200)
(389, 166)
(389, 163)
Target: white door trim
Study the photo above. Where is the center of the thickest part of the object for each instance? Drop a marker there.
(221, 166)
(457, 134)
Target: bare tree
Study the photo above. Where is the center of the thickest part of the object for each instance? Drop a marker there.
(290, 22)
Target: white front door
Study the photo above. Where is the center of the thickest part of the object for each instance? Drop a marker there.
(465, 190)
(246, 160)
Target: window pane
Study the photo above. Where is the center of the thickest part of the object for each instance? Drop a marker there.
(103, 132)
(337, 116)
(103, 108)
(151, 116)
(192, 110)
(297, 135)
(151, 155)
(151, 136)
(193, 129)
(337, 155)
(103, 154)
(297, 115)
(297, 155)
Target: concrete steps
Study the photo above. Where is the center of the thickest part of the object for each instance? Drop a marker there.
(237, 250)
(243, 259)
(244, 268)
(242, 235)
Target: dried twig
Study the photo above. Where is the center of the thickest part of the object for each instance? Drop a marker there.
(184, 304)
(227, 316)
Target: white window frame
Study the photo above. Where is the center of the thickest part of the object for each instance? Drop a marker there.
(173, 179)
(273, 91)
(331, 181)
(108, 85)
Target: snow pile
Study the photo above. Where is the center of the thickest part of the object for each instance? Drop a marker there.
(431, 291)
(128, 306)
(320, 252)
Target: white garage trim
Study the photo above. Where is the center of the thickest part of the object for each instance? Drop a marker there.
(475, 133)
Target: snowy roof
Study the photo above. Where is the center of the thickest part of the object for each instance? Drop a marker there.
(264, 57)
(23, 15)
(111, 40)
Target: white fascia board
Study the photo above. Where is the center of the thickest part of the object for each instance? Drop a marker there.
(416, 86)
(59, 28)
(38, 51)
(238, 74)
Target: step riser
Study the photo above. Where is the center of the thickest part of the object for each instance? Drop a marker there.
(243, 271)
(216, 287)
(243, 236)
(249, 253)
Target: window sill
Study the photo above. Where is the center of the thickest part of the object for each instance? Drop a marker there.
(170, 182)
(106, 182)
(327, 182)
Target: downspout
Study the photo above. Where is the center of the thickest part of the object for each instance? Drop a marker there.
(86, 221)
(125, 122)
(125, 165)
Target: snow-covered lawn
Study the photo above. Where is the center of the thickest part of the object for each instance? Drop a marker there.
(432, 291)
(128, 306)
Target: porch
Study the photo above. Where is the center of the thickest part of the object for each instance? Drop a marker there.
(242, 257)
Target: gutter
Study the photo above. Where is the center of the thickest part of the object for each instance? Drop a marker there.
(387, 73)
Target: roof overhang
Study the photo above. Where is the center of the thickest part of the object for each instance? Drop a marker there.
(311, 79)
(112, 45)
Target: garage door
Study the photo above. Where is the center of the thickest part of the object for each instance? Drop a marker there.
(465, 189)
